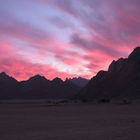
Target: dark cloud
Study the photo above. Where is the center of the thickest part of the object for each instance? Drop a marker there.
(115, 20)
(91, 45)
(11, 26)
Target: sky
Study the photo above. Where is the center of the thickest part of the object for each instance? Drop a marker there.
(65, 38)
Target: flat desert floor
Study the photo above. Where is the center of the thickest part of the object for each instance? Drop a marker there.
(70, 122)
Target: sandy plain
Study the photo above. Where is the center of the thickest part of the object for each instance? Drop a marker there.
(79, 121)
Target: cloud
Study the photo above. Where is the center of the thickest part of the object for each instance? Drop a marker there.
(61, 22)
(10, 26)
(21, 69)
(66, 37)
(117, 21)
(92, 44)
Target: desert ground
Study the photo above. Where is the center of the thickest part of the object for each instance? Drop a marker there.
(75, 121)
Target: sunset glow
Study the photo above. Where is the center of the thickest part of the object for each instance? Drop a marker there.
(65, 38)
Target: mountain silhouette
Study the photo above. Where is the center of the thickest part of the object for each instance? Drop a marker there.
(121, 80)
(8, 84)
(62, 89)
(81, 82)
(36, 87)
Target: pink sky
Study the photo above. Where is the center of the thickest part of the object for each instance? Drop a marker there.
(65, 38)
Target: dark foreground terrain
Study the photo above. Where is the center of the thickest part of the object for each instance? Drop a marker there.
(111, 121)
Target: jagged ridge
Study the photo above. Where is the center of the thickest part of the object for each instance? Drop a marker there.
(121, 80)
(36, 87)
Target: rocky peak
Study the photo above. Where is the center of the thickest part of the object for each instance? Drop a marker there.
(5, 78)
(117, 65)
(121, 79)
(79, 81)
(3, 74)
(112, 66)
(135, 55)
(37, 77)
(57, 80)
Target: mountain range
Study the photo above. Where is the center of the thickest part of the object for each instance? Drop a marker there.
(38, 87)
(122, 79)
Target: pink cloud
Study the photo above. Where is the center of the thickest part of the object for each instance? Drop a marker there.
(105, 30)
(14, 65)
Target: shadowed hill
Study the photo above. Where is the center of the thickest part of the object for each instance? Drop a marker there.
(121, 80)
(81, 82)
(8, 86)
(37, 87)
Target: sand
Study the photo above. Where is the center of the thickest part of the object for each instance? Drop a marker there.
(70, 122)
